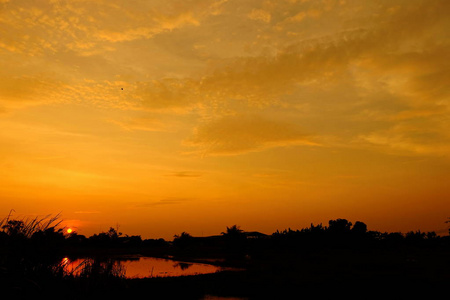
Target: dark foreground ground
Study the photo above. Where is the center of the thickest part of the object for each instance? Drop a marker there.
(339, 260)
(364, 273)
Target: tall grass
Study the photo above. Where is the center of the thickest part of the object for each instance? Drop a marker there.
(27, 227)
(90, 268)
(95, 268)
(31, 259)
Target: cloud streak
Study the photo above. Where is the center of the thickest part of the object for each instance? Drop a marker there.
(185, 174)
(165, 201)
(238, 134)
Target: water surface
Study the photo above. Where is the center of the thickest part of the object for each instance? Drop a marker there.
(142, 267)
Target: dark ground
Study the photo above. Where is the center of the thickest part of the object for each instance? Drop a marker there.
(368, 273)
(317, 262)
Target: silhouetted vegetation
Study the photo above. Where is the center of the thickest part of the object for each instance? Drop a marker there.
(182, 240)
(32, 255)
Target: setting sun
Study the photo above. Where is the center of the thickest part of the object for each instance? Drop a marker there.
(69, 230)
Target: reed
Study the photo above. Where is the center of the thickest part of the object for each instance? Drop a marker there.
(27, 227)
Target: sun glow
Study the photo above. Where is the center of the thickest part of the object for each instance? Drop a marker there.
(69, 230)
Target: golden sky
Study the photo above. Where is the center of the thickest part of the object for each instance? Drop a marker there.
(166, 116)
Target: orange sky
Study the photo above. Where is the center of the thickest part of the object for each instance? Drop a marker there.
(167, 116)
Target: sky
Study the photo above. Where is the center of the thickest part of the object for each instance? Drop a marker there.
(163, 116)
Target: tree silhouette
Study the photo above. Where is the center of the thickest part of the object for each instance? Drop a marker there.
(448, 221)
(109, 237)
(233, 232)
(113, 233)
(235, 240)
(359, 228)
(415, 237)
(14, 228)
(339, 226)
(183, 240)
(183, 235)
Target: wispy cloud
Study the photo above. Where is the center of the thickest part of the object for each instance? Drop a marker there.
(87, 212)
(140, 124)
(237, 134)
(59, 26)
(185, 174)
(165, 201)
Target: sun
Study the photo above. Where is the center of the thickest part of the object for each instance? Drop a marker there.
(69, 230)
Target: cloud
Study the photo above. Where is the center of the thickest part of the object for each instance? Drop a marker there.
(87, 212)
(165, 201)
(57, 26)
(418, 136)
(259, 15)
(185, 174)
(231, 135)
(163, 23)
(166, 94)
(401, 143)
(22, 90)
(140, 124)
(264, 79)
(261, 79)
(393, 58)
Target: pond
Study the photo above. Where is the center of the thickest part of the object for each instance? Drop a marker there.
(143, 267)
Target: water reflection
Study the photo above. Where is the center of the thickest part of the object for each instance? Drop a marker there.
(183, 266)
(141, 267)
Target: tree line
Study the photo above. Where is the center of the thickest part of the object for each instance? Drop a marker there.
(47, 232)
